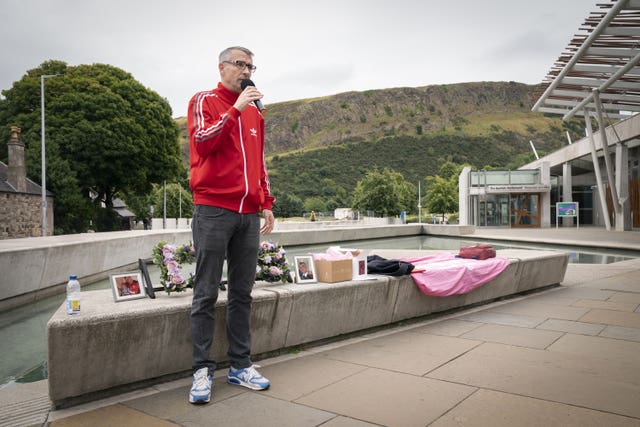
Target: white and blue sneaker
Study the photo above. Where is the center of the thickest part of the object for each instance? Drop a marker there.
(201, 388)
(248, 377)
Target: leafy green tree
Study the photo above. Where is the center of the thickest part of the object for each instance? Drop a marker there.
(523, 159)
(384, 192)
(106, 134)
(449, 170)
(442, 195)
(179, 201)
(315, 204)
(287, 206)
(442, 189)
(140, 204)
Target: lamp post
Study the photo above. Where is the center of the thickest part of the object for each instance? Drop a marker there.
(419, 205)
(43, 155)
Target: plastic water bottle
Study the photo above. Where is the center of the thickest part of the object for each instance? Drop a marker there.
(73, 295)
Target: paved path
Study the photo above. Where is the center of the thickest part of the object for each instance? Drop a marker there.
(568, 356)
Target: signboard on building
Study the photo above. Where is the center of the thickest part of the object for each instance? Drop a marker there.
(567, 210)
(523, 188)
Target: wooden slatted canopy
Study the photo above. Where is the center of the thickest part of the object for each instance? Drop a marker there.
(600, 64)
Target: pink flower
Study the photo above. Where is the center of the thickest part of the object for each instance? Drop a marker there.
(172, 266)
(275, 271)
(177, 278)
(167, 251)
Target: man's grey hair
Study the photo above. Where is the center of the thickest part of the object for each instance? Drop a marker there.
(225, 55)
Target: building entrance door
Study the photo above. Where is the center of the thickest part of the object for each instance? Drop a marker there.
(525, 210)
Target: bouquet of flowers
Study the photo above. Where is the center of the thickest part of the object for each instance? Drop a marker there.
(272, 264)
(170, 259)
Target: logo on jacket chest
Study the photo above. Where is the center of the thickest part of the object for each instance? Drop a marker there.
(253, 132)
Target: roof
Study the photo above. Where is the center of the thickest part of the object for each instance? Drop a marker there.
(121, 208)
(601, 61)
(5, 187)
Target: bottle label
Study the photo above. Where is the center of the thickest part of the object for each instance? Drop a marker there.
(73, 306)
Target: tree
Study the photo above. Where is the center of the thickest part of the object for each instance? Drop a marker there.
(287, 205)
(106, 134)
(179, 201)
(522, 159)
(442, 189)
(384, 192)
(315, 204)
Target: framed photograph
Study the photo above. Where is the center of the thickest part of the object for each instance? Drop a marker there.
(305, 269)
(142, 264)
(127, 286)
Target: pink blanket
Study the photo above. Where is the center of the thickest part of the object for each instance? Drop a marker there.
(443, 274)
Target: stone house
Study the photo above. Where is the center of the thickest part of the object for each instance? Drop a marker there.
(21, 198)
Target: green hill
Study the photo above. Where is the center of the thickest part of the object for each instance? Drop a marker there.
(322, 146)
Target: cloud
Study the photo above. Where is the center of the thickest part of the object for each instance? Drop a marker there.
(303, 48)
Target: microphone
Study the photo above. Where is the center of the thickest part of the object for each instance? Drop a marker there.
(247, 82)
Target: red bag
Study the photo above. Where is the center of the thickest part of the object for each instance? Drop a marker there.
(479, 251)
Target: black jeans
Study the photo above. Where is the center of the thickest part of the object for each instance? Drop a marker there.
(218, 233)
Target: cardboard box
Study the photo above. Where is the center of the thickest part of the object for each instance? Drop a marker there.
(359, 267)
(331, 271)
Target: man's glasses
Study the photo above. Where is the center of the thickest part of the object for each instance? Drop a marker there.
(242, 65)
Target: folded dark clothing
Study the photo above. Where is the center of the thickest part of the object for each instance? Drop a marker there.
(390, 267)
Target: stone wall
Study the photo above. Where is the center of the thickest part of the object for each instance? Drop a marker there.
(21, 215)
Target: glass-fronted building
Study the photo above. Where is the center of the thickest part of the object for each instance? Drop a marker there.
(520, 198)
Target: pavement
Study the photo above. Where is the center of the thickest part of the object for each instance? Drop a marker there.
(567, 356)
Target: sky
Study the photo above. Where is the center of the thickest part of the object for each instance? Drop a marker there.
(303, 49)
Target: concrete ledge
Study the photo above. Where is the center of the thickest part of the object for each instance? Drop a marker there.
(114, 346)
(30, 266)
(37, 267)
(447, 229)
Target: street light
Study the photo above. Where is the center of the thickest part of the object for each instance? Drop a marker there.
(43, 155)
(419, 205)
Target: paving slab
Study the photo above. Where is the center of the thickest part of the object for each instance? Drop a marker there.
(625, 353)
(295, 378)
(633, 297)
(512, 335)
(253, 409)
(623, 282)
(389, 398)
(577, 274)
(621, 333)
(540, 310)
(492, 408)
(450, 327)
(607, 305)
(408, 352)
(172, 404)
(114, 415)
(574, 379)
(553, 297)
(503, 319)
(347, 422)
(571, 326)
(610, 317)
(582, 292)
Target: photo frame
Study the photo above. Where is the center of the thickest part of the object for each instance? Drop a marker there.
(142, 264)
(305, 269)
(127, 286)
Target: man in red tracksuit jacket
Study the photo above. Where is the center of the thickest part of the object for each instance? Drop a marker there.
(230, 189)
